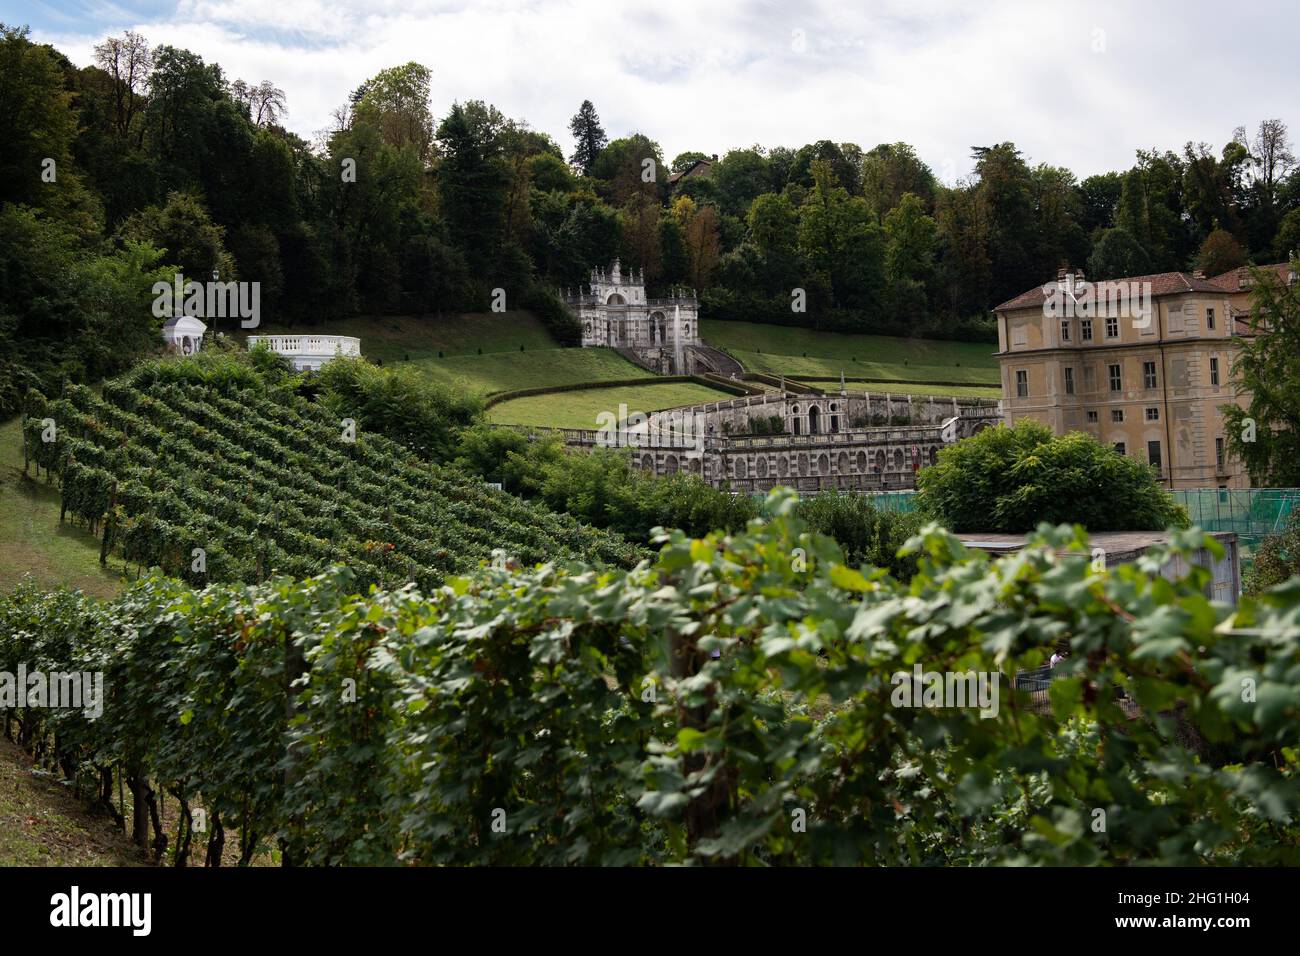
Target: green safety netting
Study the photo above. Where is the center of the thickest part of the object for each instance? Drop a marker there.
(1252, 513)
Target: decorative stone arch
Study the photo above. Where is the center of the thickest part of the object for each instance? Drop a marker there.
(898, 459)
(813, 413)
(783, 466)
(862, 462)
(648, 463)
(693, 466)
(670, 464)
(740, 468)
(615, 299)
(842, 464)
(880, 459)
(760, 466)
(803, 464)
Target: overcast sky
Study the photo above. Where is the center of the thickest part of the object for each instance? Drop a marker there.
(1081, 85)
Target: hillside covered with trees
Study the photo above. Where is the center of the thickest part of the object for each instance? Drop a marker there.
(152, 160)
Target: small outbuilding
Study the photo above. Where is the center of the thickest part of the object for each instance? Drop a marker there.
(184, 333)
(1119, 547)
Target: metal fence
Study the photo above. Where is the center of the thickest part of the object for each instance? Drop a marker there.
(1252, 513)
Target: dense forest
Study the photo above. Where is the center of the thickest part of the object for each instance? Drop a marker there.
(151, 160)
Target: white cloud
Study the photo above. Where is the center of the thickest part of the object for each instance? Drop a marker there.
(943, 76)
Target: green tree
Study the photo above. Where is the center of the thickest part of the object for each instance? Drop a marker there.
(187, 236)
(739, 178)
(892, 170)
(1011, 479)
(588, 136)
(1266, 434)
(398, 100)
(472, 181)
(37, 124)
(1219, 253)
(1116, 254)
(1276, 559)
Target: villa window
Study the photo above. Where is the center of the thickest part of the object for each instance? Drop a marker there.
(1065, 330)
(1153, 413)
(1209, 318)
(1085, 329)
(1092, 418)
(1112, 327)
(1219, 454)
(1069, 381)
(1153, 454)
(1117, 416)
(1214, 371)
(1121, 448)
(1148, 374)
(1116, 380)
(1022, 383)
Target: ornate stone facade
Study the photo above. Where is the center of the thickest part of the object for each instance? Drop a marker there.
(844, 440)
(615, 313)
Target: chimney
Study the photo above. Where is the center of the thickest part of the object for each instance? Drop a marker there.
(1198, 273)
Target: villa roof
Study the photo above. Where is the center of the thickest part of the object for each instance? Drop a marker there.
(1162, 283)
(691, 169)
(1238, 280)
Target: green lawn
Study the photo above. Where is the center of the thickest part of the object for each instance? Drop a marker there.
(500, 367)
(32, 541)
(579, 409)
(779, 349)
(914, 388)
(507, 371)
(399, 337)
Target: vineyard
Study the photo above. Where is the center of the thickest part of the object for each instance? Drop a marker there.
(213, 481)
(723, 704)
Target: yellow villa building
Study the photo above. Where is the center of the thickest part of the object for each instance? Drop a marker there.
(1144, 363)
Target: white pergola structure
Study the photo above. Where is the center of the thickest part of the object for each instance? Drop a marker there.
(184, 333)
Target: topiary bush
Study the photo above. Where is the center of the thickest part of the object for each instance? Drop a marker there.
(1012, 479)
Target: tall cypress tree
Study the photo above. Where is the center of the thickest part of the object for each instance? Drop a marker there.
(589, 136)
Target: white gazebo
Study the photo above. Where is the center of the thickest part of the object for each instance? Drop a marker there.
(309, 352)
(184, 333)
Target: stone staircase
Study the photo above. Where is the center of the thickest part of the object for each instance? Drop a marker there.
(716, 361)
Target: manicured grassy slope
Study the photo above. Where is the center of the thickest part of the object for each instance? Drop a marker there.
(915, 388)
(778, 349)
(579, 409)
(32, 541)
(480, 352)
(397, 338)
(506, 371)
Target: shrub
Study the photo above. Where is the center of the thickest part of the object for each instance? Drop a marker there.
(1011, 479)
(555, 315)
(399, 403)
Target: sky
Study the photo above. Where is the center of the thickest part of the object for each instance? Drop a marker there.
(1081, 85)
